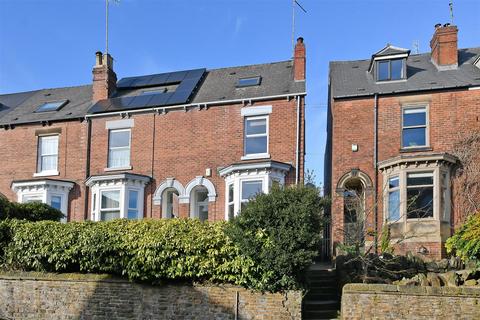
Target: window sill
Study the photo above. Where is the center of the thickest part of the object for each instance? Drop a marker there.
(46, 173)
(256, 156)
(415, 149)
(118, 169)
(429, 219)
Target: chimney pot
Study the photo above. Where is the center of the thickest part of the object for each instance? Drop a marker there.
(98, 60)
(438, 25)
(299, 40)
(446, 24)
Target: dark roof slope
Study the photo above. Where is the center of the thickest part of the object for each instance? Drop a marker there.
(219, 85)
(20, 107)
(277, 79)
(352, 79)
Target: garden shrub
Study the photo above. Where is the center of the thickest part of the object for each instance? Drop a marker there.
(33, 211)
(281, 233)
(466, 240)
(146, 250)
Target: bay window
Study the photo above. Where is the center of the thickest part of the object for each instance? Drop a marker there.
(117, 196)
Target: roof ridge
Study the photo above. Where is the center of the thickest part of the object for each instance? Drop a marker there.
(252, 65)
(44, 89)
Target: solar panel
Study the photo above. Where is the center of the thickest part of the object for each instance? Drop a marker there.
(187, 82)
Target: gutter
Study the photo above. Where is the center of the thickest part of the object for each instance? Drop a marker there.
(198, 104)
(375, 166)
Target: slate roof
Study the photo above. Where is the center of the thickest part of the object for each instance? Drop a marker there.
(20, 107)
(218, 85)
(352, 79)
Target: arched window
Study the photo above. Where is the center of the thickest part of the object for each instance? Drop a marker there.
(199, 203)
(354, 211)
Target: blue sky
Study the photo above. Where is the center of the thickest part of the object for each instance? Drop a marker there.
(51, 43)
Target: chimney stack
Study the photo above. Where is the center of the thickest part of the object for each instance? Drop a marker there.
(104, 78)
(444, 45)
(299, 61)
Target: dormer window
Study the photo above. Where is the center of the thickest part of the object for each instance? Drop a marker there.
(391, 69)
(389, 64)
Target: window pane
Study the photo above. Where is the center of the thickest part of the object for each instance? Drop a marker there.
(109, 215)
(393, 182)
(394, 205)
(383, 70)
(257, 126)
(48, 163)
(110, 199)
(397, 69)
(119, 138)
(230, 212)
(418, 179)
(230, 193)
(420, 202)
(132, 214)
(414, 137)
(56, 202)
(245, 82)
(133, 199)
(119, 158)
(49, 145)
(202, 196)
(256, 145)
(29, 199)
(414, 117)
(250, 189)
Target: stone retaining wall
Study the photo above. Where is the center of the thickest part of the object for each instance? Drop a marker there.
(378, 301)
(44, 298)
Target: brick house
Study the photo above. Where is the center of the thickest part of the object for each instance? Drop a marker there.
(196, 143)
(393, 121)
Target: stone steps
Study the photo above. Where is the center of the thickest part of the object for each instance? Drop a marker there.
(322, 299)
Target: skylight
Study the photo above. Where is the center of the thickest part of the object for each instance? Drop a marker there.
(248, 82)
(51, 106)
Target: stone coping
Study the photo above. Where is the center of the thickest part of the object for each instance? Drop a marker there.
(360, 288)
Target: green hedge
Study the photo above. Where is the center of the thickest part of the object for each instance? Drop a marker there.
(32, 211)
(146, 250)
(281, 233)
(466, 240)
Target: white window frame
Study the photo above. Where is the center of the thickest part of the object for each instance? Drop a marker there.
(426, 125)
(230, 203)
(445, 195)
(100, 209)
(40, 172)
(123, 182)
(43, 190)
(128, 166)
(247, 156)
(128, 203)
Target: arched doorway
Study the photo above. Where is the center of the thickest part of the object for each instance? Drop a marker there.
(199, 203)
(170, 203)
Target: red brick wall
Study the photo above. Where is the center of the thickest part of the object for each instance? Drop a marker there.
(451, 115)
(19, 159)
(184, 144)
